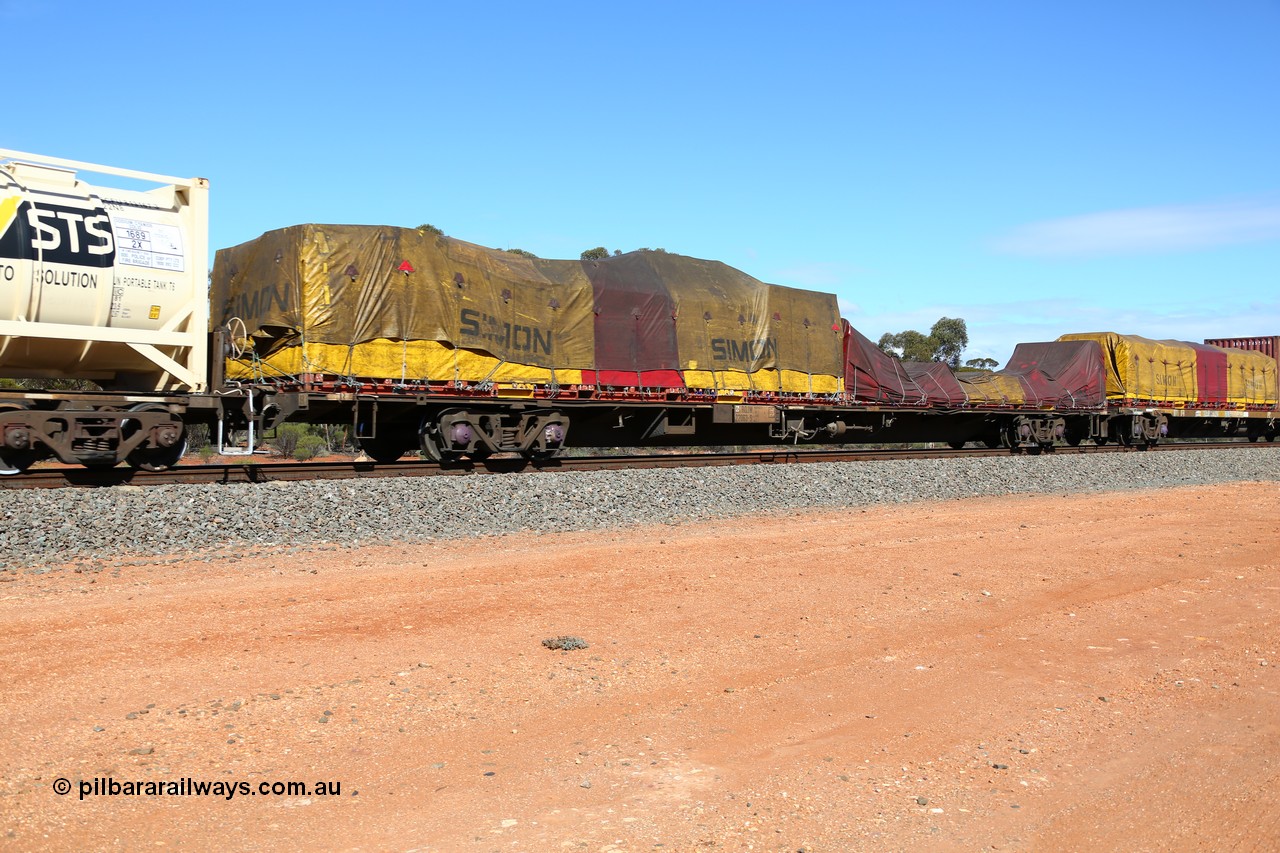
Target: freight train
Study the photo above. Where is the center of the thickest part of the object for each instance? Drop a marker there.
(418, 341)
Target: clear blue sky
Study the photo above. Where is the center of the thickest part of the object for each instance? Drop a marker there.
(1036, 168)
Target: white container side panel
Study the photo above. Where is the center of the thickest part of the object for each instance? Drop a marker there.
(102, 283)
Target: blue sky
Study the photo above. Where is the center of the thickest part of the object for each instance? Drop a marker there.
(1035, 168)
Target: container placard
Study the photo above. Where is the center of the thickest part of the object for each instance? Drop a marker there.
(148, 244)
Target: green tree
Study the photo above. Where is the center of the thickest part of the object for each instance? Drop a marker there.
(981, 363)
(522, 253)
(945, 342)
(599, 253)
(951, 336)
(908, 346)
(427, 228)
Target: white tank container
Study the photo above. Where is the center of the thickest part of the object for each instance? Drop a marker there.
(108, 284)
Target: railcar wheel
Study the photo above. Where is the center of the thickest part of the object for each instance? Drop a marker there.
(382, 450)
(432, 444)
(15, 460)
(550, 441)
(430, 447)
(1074, 434)
(160, 458)
(956, 445)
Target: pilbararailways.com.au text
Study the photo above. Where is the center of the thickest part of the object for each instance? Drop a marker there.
(108, 786)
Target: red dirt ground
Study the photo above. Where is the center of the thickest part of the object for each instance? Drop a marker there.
(1018, 673)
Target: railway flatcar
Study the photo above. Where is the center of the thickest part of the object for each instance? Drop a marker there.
(421, 342)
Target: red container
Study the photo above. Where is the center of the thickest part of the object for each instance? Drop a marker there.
(1265, 345)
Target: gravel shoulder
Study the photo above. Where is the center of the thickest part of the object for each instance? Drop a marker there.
(97, 526)
(1026, 671)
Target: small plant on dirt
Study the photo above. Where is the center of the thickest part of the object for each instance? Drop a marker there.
(287, 438)
(309, 447)
(567, 644)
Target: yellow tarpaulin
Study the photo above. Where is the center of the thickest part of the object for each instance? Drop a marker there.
(349, 296)
(992, 389)
(1145, 370)
(1251, 378)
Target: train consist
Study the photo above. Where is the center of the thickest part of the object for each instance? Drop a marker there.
(423, 342)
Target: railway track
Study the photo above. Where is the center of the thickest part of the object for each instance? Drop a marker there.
(250, 471)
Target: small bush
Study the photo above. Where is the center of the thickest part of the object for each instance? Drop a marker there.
(567, 644)
(309, 447)
(198, 435)
(287, 438)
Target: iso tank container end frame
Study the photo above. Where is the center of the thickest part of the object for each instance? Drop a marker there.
(103, 283)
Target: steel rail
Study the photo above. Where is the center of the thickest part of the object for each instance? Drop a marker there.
(250, 471)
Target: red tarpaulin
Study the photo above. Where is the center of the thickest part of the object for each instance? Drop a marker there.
(873, 376)
(1063, 374)
(634, 378)
(1211, 374)
(937, 383)
(635, 325)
